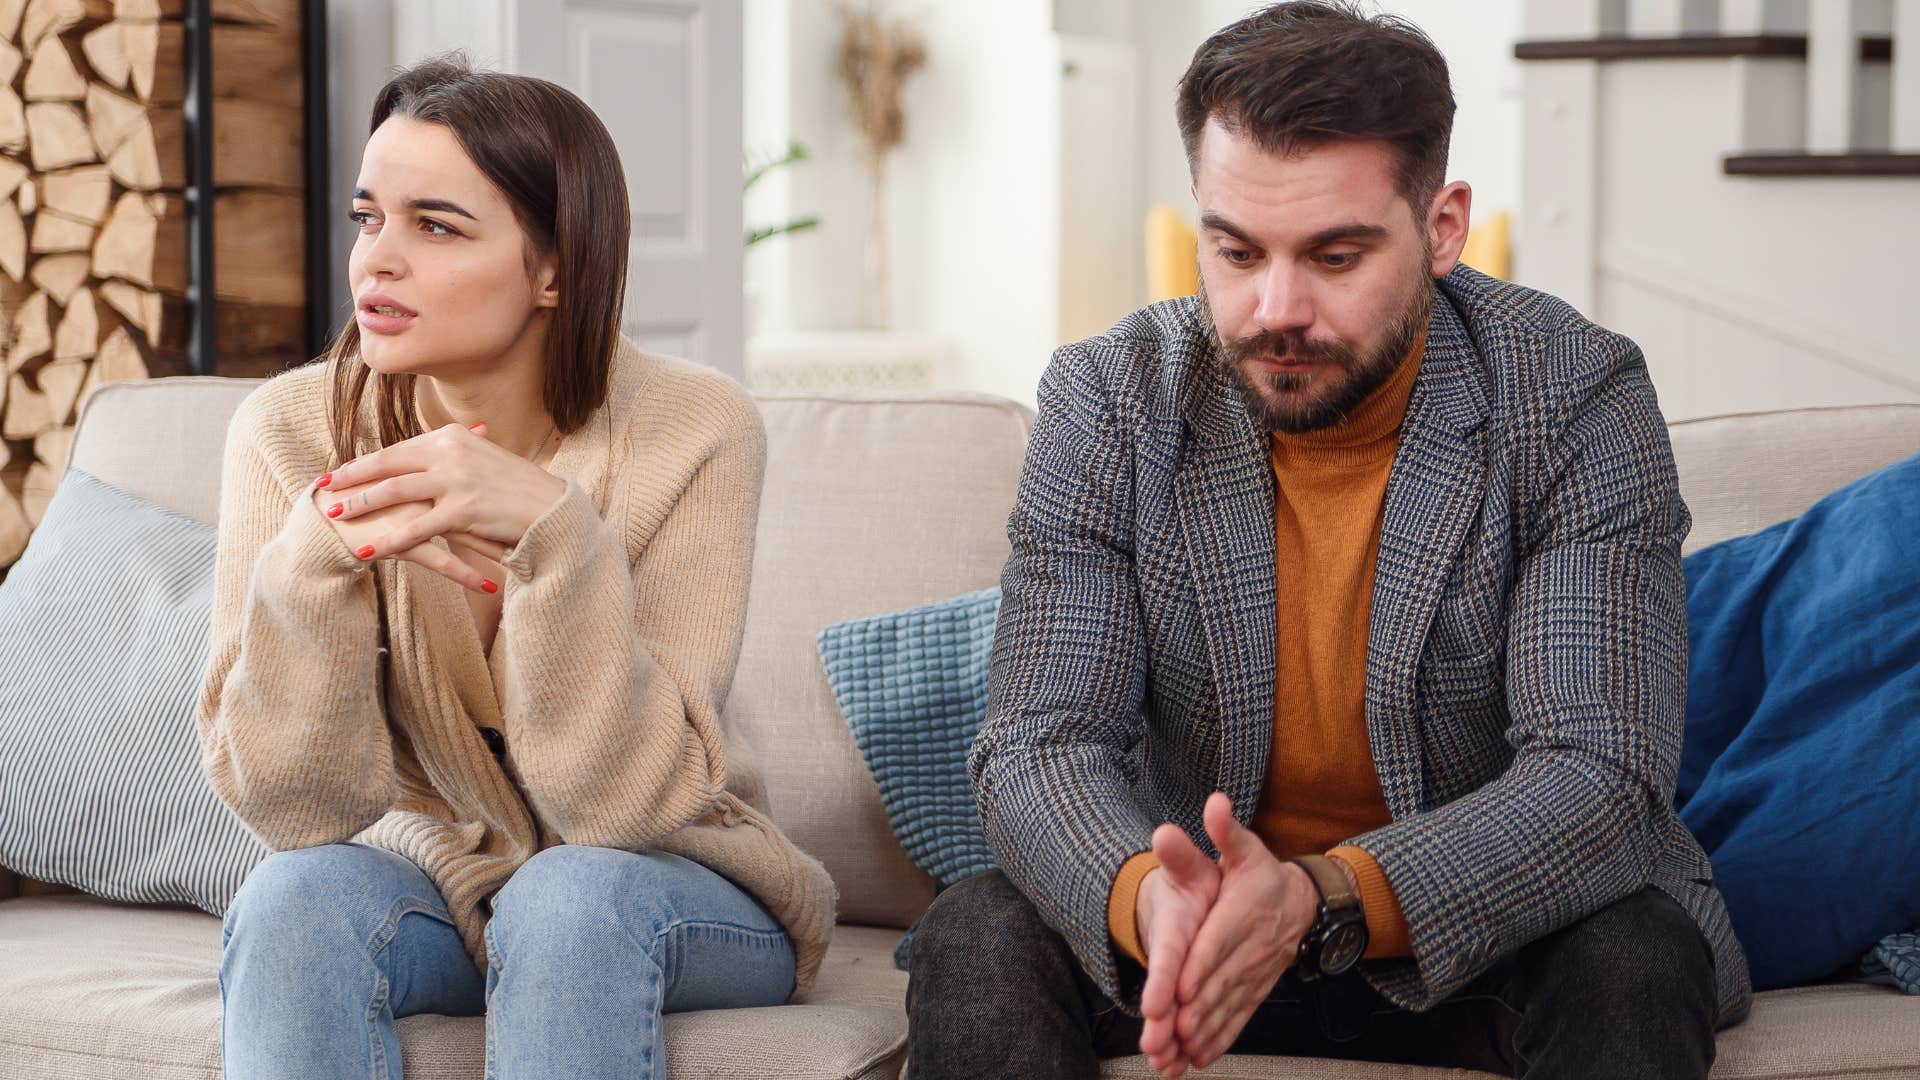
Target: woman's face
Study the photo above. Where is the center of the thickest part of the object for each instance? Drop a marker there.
(440, 272)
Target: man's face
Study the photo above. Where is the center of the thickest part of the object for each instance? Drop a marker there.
(1314, 271)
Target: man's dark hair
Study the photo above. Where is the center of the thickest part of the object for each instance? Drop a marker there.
(1309, 71)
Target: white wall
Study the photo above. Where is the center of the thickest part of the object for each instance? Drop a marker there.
(1746, 293)
(808, 281)
(975, 220)
(972, 218)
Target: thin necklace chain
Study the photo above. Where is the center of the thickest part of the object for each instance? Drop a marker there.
(535, 456)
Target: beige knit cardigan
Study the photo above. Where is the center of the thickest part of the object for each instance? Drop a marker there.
(344, 701)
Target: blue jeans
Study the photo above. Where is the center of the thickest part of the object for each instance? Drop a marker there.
(325, 947)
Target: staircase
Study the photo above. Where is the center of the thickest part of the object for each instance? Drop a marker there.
(1735, 185)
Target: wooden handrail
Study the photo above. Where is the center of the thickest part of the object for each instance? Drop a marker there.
(1838, 164)
(1689, 47)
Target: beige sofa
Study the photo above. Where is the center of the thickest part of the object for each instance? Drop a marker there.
(872, 505)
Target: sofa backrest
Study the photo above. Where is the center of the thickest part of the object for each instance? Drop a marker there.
(870, 506)
(160, 439)
(878, 504)
(1744, 472)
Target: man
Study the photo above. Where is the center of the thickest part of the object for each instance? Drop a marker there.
(1362, 560)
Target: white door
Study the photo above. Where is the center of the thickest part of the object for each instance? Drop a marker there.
(665, 77)
(1102, 222)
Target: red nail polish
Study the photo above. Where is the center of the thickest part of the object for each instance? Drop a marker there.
(477, 427)
(365, 552)
(487, 584)
(325, 479)
(334, 510)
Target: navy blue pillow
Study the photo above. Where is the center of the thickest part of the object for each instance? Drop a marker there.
(1801, 768)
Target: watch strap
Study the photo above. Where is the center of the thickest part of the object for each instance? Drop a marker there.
(1329, 879)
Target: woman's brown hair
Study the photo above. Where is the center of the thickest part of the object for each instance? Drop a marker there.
(556, 164)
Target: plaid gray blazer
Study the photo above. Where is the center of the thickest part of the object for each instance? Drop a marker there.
(1526, 664)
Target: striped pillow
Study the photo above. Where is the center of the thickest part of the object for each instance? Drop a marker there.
(103, 634)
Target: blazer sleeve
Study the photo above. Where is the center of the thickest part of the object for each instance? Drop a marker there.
(1596, 690)
(616, 669)
(293, 729)
(1053, 766)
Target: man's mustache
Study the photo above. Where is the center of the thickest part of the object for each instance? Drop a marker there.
(1277, 343)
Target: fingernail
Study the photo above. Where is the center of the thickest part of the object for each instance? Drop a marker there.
(365, 552)
(478, 426)
(325, 479)
(334, 510)
(487, 584)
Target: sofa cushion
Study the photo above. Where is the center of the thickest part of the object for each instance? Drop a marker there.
(1740, 474)
(93, 990)
(1834, 1032)
(103, 633)
(871, 505)
(160, 439)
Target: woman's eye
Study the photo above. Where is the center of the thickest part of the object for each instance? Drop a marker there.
(361, 218)
(435, 228)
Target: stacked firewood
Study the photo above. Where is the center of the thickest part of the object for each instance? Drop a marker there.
(94, 221)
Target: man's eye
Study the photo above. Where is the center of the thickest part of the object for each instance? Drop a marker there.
(1236, 256)
(1341, 261)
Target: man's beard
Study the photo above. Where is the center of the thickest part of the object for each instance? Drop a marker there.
(1284, 401)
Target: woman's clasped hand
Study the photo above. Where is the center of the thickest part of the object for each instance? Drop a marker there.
(451, 483)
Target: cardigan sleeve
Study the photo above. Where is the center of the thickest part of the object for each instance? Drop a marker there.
(292, 729)
(614, 668)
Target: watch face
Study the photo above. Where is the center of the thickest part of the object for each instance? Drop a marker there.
(1343, 947)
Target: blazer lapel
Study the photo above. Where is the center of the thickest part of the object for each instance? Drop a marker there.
(1223, 491)
(1434, 493)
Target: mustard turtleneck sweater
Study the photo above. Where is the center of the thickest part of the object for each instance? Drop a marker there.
(1321, 786)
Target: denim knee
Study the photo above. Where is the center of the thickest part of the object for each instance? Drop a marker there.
(572, 899)
(320, 885)
(317, 905)
(573, 896)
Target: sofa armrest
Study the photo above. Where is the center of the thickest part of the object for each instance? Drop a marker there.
(9, 884)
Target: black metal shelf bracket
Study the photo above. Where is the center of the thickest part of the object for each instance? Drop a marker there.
(318, 166)
(200, 187)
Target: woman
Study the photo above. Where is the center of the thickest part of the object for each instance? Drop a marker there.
(481, 582)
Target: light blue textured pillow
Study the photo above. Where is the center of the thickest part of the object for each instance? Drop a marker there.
(913, 687)
(103, 635)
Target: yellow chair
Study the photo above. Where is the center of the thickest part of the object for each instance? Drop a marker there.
(1172, 269)
(1489, 249)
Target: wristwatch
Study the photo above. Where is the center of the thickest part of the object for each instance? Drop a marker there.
(1338, 937)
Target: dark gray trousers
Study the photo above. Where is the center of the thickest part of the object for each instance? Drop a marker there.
(1626, 993)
